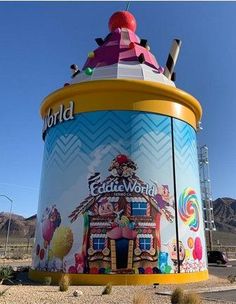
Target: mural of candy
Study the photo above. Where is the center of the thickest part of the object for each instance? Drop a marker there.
(190, 242)
(188, 209)
(117, 157)
(62, 242)
(198, 250)
(50, 221)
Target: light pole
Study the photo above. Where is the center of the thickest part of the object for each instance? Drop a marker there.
(9, 222)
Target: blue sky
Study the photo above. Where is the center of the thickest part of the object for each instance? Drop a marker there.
(40, 40)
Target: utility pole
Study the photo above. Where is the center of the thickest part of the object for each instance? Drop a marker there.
(206, 193)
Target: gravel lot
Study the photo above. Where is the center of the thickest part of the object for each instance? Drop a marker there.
(39, 294)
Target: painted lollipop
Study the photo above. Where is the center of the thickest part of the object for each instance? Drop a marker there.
(51, 220)
(62, 242)
(189, 208)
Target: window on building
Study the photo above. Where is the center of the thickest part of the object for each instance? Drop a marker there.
(98, 243)
(139, 208)
(145, 243)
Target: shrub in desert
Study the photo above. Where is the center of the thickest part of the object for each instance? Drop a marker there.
(177, 296)
(47, 281)
(191, 298)
(141, 298)
(231, 278)
(107, 290)
(64, 283)
(6, 274)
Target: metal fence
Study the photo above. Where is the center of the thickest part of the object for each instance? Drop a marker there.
(16, 251)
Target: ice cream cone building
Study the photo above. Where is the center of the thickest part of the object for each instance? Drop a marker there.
(120, 195)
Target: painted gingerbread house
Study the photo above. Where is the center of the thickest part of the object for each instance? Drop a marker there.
(122, 216)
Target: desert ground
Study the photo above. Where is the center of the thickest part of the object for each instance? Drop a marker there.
(27, 292)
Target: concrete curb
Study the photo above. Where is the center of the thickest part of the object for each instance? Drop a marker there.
(220, 265)
(201, 290)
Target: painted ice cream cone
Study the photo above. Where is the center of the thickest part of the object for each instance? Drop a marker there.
(121, 165)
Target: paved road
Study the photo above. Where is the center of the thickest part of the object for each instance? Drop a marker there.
(229, 295)
(223, 271)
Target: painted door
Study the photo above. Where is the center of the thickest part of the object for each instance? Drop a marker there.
(122, 249)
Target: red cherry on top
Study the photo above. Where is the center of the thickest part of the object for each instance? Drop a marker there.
(123, 19)
(121, 159)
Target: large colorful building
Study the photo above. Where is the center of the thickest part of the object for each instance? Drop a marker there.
(120, 196)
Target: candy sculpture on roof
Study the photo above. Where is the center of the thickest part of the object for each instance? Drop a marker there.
(120, 166)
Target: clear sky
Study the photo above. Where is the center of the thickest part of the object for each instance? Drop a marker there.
(40, 40)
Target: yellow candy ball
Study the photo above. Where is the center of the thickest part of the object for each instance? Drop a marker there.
(62, 242)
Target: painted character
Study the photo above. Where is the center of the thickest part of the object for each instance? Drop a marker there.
(165, 194)
(163, 201)
(174, 255)
(122, 166)
(105, 208)
(118, 216)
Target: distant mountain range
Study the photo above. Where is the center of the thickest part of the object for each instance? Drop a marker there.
(224, 214)
(20, 227)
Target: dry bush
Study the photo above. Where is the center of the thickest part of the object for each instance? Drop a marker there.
(141, 298)
(64, 283)
(177, 296)
(231, 278)
(191, 298)
(107, 290)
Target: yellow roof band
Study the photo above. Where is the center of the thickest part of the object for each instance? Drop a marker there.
(123, 94)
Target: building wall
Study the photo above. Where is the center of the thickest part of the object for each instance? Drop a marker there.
(164, 150)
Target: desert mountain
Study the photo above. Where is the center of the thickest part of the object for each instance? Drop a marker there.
(20, 227)
(224, 215)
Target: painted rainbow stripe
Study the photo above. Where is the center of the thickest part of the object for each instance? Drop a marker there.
(189, 208)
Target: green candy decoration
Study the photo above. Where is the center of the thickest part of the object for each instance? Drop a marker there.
(88, 71)
(168, 269)
(91, 55)
(107, 270)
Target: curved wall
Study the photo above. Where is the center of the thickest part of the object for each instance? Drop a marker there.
(120, 189)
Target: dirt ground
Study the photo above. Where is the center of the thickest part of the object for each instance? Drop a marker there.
(26, 292)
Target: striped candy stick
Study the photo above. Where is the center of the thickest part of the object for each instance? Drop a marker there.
(172, 58)
(85, 236)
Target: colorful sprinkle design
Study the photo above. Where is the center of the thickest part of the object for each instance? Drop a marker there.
(189, 208)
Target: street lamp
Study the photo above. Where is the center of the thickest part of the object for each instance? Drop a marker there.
(9, 222)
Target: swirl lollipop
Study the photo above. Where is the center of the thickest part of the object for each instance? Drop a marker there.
(189, 208)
